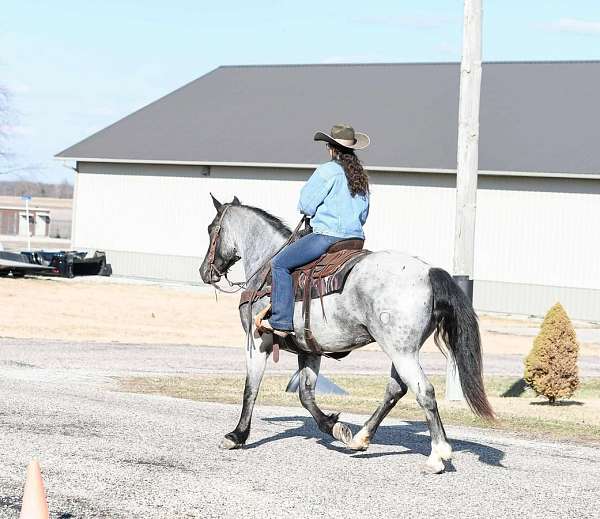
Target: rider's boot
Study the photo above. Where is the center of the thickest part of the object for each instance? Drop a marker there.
(263, 325)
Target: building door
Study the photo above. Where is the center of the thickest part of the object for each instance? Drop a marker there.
(41, 224)
(24, 228)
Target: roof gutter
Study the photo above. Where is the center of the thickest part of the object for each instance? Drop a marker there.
(593, 176)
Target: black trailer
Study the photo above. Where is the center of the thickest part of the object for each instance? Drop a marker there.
(67, 264)
(17, 265)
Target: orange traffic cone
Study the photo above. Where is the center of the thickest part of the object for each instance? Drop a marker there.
(34, 499)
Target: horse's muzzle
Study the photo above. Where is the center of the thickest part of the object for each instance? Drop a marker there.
(209, 277)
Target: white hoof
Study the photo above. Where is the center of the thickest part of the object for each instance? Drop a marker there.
(442, 450)
(342, 433)
(360, 442)
(227, 444)
(434, 465)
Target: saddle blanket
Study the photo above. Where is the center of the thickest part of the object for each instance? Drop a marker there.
(325, 275)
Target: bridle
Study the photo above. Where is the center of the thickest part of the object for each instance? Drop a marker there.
(212, 251)
(212, 268)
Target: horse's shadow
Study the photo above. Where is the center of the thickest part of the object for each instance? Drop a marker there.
(408, 435)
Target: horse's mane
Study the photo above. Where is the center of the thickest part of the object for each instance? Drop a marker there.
(275, 222)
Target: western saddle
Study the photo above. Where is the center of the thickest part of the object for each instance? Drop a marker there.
(325, 275)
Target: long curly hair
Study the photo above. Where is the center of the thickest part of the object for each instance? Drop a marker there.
(358, 180)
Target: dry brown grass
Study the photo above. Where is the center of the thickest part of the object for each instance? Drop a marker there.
(577, 419)
(116, 312)
(107, 311)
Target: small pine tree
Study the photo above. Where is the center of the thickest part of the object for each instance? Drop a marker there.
(551, 366)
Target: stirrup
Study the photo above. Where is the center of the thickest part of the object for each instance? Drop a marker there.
(266, 327)
(258, 320)
(263, 326)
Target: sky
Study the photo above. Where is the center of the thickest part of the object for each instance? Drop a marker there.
(73, 67)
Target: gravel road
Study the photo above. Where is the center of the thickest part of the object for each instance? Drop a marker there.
(118, 455)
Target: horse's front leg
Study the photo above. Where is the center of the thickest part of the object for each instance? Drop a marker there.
(256, 360)
(309, 365)
(394, 391)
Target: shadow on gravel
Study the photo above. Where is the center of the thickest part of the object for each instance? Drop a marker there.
(10, 503)
(14, 503)
(410, 436)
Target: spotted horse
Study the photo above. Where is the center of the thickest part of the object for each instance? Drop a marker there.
(389, 297)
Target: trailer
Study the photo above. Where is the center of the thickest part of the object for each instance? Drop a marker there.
(67, 264)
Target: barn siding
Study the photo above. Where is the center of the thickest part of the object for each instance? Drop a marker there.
(528, 299)
(533, 242)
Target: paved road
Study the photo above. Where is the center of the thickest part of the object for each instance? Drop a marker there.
(116, 359)
(117, 455)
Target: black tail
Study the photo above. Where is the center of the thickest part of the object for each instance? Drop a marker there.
(456, 322)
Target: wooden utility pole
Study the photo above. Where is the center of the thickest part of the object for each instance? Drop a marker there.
(467, 164)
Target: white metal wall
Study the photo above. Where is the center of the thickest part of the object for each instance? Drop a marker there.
(166, 209)
(530, 232)
(539, 237)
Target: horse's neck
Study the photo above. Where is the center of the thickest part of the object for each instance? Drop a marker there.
(257, 242)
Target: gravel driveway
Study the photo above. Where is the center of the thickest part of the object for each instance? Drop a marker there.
(117, 455)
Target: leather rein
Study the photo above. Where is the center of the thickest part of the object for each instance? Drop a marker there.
(240, 285)
(212, 251)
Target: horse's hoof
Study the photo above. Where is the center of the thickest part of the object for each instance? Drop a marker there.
(342, 433)
(360, 442)
(228, 444)
(433, 467)
(443, 450)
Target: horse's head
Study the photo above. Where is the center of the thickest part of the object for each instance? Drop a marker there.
(221, 254)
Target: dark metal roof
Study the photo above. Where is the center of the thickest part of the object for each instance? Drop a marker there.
(535, 117)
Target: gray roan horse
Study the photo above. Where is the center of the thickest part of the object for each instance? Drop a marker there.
(389, 297)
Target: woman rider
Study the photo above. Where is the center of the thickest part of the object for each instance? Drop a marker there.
(336, 199)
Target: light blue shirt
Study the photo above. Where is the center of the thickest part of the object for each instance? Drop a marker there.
(333, 211)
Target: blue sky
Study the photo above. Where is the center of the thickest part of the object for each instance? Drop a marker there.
(73, 67)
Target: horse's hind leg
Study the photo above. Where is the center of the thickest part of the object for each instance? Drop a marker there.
(256, 360)
(410, 371)
(309, 365)
(394, 391)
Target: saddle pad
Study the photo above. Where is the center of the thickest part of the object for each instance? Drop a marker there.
(328, 275)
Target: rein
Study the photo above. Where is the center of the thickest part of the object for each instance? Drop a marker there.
(240, 285)
(212, 250)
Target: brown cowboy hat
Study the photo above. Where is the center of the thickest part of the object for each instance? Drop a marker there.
(344, 136)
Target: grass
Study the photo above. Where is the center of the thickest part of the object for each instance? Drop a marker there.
(577, 419)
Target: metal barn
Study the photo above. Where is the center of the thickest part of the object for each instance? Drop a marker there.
(142, 184)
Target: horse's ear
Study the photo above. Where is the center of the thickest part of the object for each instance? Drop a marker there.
(236, 201)
(216, 203)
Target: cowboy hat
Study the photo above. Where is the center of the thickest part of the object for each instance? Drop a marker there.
(343, 135)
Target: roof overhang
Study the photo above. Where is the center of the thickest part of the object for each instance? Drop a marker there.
(590, 176)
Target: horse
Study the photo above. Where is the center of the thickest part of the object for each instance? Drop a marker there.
(389, 297)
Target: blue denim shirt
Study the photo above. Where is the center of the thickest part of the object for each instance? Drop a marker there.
(326, 199)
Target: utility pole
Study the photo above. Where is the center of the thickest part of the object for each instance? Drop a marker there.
(467, 164)
(27, 199)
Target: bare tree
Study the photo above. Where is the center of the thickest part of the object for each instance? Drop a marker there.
(7, 163)
(64, 190)
(24, 175)
(3, 120)
(36, 188)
